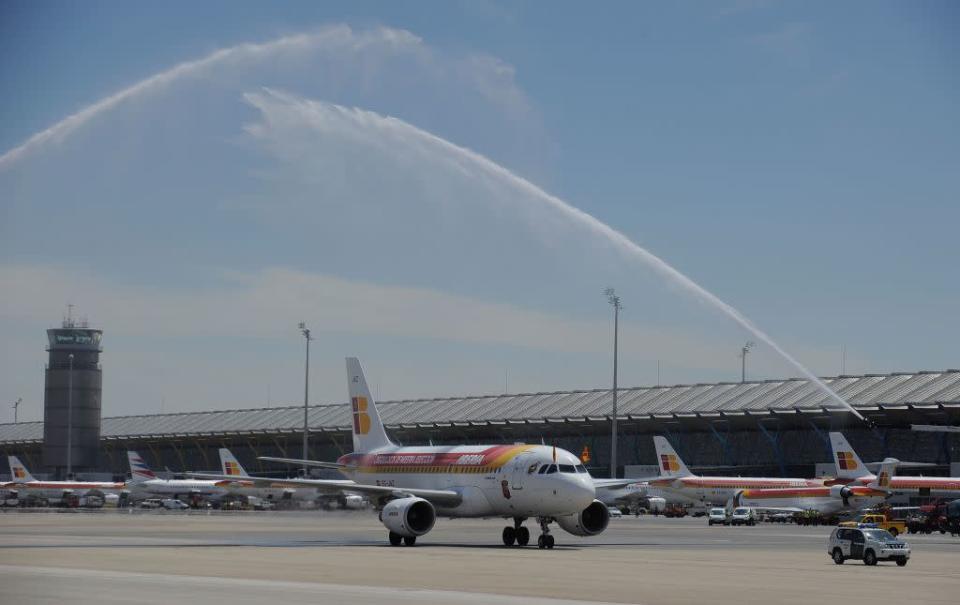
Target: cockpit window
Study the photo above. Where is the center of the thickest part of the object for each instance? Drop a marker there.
(581, 468)
(551, 469)
(567, 468)
(543, 469)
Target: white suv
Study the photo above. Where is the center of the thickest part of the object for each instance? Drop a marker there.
(867, 544)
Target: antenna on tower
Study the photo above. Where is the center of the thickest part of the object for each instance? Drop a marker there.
(68, 320)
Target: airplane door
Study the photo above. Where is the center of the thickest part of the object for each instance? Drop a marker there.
(517, 473)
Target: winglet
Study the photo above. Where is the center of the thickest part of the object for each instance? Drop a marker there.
(368, 431)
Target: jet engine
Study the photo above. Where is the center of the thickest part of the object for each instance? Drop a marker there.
(409, 517)
(841, 491)
(353, 502)
(588, 522)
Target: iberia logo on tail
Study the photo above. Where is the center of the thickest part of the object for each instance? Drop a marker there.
(19, 472)
(846, 461)
(361, 420)
(232, 468)
(669, 463)
(884, 479)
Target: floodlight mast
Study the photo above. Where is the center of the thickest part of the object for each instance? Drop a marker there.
(306, 396)
(614, 301)
(743, 359)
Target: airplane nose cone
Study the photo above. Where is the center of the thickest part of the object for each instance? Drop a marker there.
(582, 492)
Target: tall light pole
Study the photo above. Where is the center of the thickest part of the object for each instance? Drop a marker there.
(743, 360)
(16, 404)
(614, 301)
(306, 396)
(70, 418)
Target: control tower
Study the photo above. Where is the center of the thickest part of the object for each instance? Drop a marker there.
(71, 399)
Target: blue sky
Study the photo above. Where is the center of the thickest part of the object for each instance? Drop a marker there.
(797, 159)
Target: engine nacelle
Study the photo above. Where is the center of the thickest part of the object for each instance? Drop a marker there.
(409, 517)
(655, 504)
(842, 492)
(354, 502)
(588, 522)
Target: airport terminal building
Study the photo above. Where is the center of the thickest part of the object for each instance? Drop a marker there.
(770, 427)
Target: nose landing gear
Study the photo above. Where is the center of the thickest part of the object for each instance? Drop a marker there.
(545, 540)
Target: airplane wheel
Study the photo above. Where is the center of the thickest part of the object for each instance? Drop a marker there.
(549, 541)
(509, 536)
(523, 536)
(409, 540)
(395, 539)
(541, 542)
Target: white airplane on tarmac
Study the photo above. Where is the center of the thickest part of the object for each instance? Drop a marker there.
(412, 486)
(279, 489)
(144, 483)
(676, 478)
(851, 469)
(634, 496)
(26, 485)
(826, 499)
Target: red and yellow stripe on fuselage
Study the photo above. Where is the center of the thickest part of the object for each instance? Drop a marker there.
(480, 460)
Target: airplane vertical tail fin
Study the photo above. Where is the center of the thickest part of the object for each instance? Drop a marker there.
(18, 472)
(670, 463)
(848, 464)
(229, 465)
(368, 431)
(139, 471)
(887, 469)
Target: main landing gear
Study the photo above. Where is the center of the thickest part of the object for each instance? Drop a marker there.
(545, 540)
(517, 534)
(396, 539)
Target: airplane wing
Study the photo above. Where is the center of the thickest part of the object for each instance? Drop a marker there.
(300, 462)
(615, 483)
(435, 496)
(777, 509)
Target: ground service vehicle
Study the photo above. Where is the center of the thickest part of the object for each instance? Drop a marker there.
(174, 504)
(717, 516)
(868, 544)
(881, 521)
(743, 516)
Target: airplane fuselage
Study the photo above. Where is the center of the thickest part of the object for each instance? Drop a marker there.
(493, 480)
(55, 490)
(717, 491)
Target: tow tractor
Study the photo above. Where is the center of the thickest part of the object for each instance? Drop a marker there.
(878, 520)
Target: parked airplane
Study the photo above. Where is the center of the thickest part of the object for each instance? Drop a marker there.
(634, 496)
(826, 499)
(279, 489)
(144, 483)
(412, 486)
(26, 485)
(851, 469)
(677, 479)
